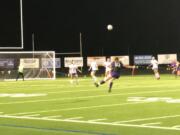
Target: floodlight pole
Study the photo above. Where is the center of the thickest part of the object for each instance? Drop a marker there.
(80, 40)
(22, 34)
(33, 49)
(80, 36)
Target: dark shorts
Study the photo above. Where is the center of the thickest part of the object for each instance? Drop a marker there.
(115, 75)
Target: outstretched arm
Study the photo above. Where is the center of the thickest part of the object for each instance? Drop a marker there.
(128, 66)
(149, 66)
(90, 68)
(79, 70)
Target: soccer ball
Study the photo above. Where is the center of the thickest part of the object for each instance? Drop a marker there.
(109, 27)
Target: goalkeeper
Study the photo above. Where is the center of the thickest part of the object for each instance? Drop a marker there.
(20, 72)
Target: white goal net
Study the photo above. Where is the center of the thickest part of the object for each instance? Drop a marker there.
(36, 65)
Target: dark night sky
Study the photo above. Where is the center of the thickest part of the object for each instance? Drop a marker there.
(140, 26)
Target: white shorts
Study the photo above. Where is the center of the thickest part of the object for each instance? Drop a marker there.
(155, 68)
(94, 71)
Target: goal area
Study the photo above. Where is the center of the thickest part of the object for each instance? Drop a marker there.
(36, 65)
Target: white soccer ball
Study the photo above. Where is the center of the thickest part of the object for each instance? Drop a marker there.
(109, 27)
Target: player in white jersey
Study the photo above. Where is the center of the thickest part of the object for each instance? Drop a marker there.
(107, 66)
(154, 64)
(73, 72)
(93, 68)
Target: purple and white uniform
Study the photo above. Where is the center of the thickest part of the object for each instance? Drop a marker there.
(116, 69)
(173, 65)
(178, 66)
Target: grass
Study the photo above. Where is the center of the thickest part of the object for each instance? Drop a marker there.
(60, 108)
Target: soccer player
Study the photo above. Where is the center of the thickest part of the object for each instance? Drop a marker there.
(115, 73)
(173, 67)
(20, 72)
(73, 72)
(154, 64)
(93, 68)
(107, 66)
(178, 68)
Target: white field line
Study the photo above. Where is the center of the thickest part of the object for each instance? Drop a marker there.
(32, 115)
(177, 126)
(96, 120)
(151, 124)
(145, 119)
(90, 122)
(88, 97)
(80, 108)
(74, 118)
(50, 117)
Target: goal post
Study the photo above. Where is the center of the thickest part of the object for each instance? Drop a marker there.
(36, 64)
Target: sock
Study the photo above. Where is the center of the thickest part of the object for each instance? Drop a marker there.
(77, 82)
(157, 76)
(102, 82)
(96, 84)
(110, 86)
(94, 78)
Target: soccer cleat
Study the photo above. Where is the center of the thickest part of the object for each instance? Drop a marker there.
(96, 84)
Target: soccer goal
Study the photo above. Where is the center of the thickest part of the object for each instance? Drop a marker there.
(36, 64)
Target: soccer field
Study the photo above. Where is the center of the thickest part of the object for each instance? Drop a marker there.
(138, 105)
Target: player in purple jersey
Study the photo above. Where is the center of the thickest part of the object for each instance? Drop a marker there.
(178, 68)
(175, 67)
(116, 66)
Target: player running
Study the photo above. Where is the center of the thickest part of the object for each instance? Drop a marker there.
(178, 68)
(93, 68)
(175, 67)
(107, 66)
(73, 72)
(115, 73)
(154, 65)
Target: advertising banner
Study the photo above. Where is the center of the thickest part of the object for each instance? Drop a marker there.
(29, 62)
(77, 60)
(166, 58)
(142, 59)
(48, 63)
(123, 59)
(99, 60)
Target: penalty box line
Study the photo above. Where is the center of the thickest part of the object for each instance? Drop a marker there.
(88, 97)
(91, 122)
